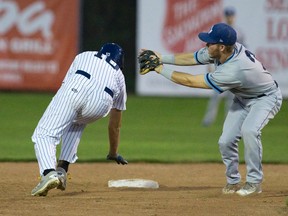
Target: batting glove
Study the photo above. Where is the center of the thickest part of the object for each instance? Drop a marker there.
(119, 159)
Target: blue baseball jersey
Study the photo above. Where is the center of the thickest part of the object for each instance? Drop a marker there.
(241, 73)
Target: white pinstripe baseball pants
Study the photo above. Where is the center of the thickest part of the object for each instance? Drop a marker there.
(78, 102)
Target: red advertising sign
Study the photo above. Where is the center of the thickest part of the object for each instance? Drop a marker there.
(184, 19)
(38, 41)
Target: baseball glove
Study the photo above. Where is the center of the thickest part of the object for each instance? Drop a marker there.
(148, 61)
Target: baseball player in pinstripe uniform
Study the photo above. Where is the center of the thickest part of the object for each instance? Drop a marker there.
(93, 87)
(257, 98)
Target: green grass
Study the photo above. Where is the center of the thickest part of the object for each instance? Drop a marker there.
(154, 129)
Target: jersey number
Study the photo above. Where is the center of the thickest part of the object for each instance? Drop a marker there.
(252, 57)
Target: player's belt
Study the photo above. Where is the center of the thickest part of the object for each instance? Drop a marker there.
(262, 95)
(109, 91)
(87, 75)
(83, 73)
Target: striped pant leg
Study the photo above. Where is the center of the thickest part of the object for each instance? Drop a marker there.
(70, 142)
(96, 107)
(50, 129)
(46, 154)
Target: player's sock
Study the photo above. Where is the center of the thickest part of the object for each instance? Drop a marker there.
(47, 171)
(63, 164)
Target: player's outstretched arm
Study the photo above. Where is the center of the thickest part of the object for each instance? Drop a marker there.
(186, 79)
(184, 59)
(151, 61)
(114, 136)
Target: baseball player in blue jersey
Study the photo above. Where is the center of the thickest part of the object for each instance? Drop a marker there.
(227, 96)
(93, 87)
(257, 98)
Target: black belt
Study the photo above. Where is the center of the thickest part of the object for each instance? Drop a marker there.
(259, 96)
(87, 75)
(262, 95)
(83, 73)
(109, 91)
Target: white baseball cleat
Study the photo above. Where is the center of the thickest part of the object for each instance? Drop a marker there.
(48, 182)
(231, 188)
(250, 188)
(62, 175)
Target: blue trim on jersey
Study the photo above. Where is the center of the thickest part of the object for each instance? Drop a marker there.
(83, 73)
(212, 85)
(231, 56)
(196, 57)
(239, 51)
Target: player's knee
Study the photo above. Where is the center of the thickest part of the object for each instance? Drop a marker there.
(227, 142)
(224, 143)
(248, 132)
(41, 137)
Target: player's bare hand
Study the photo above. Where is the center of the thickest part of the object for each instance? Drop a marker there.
(118, 158)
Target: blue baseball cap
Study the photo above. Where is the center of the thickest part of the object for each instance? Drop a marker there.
(220, 33)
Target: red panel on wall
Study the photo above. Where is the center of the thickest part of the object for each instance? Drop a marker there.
(38, 41)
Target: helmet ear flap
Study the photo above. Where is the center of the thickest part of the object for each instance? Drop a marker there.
(114, 52)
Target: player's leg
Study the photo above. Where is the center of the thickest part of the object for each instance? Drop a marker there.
(97, 106)
(45, 149)
(49, 131)
(228, 145)
(59, 115)
(70, 141)
(260, 113)
(212, 109)
(47, 136)
(228, 101)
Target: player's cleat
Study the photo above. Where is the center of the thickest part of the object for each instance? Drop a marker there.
(48, 182)
(231, 188)
(62, 175)
(250, 188)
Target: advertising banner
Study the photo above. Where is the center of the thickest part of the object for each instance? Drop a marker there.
(38, 41)
(172, 26)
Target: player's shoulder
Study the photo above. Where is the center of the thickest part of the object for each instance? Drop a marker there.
(84, 56)
(87, 53)
(239, 51)
(233, 63)
(239, 48)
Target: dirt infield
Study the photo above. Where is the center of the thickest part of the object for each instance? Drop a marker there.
(185, 189)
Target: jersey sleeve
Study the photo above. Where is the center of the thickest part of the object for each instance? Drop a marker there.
(202, 56)
(222, 81)
(120, 100)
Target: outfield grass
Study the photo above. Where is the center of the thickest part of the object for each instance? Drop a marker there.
(154, 129)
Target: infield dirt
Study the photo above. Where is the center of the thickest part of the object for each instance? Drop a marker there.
(185, 189)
